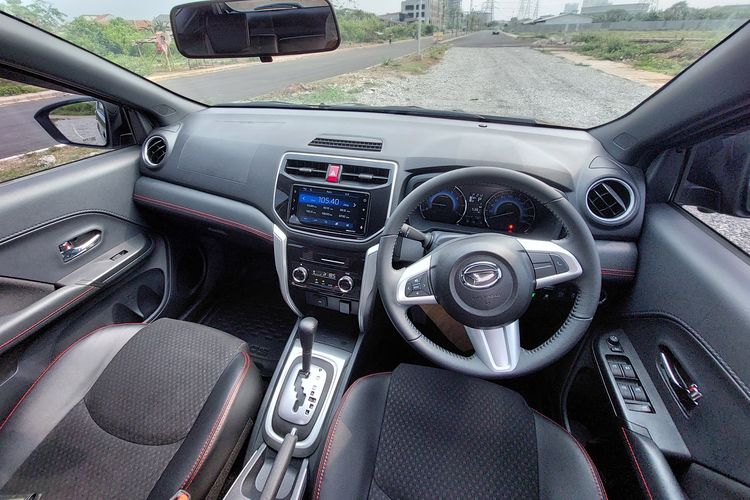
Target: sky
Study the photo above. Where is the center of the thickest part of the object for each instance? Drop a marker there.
(504, 9)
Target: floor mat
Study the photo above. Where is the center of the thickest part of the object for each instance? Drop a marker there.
(259, 317)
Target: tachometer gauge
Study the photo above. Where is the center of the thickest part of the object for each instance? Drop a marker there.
(447, 206)
(510, 211)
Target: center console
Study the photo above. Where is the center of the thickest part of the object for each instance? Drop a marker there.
(331, 211)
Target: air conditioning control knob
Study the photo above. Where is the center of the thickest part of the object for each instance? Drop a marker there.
(299, 275)
(346, 284)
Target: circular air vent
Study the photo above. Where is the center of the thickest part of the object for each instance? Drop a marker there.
(610, 201)
(154, 151)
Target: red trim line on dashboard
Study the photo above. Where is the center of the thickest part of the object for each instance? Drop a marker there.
(211, 217)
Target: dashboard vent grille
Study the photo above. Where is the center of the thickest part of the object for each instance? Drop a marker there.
(610, 201)
(305, 168)
(364, 175)
(155, 151)
(330, 142)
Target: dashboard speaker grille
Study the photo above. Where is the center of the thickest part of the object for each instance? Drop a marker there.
(334, 143)
(155, 150)
(610, 201)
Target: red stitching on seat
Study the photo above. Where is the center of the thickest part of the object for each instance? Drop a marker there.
(53, 313)
(332, 433)
(592, 468)
(198, 213)
(637, 465)
(220, 419)
(36, 382)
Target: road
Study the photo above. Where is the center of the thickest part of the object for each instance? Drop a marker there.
(20, 133)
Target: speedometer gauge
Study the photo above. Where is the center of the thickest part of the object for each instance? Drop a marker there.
(447, 206)
(510, 211)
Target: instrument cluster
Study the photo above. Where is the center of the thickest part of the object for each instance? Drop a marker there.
(486, 207)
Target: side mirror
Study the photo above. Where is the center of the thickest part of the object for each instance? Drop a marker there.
(254, 28)
(80, 122)
(716, 177)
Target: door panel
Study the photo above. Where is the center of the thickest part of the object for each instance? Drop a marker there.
(46, 218)
(102, 184)
(48, 301)
(690, 300)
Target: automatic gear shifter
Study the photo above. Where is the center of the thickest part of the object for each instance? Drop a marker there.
(307, 329)
(305, 381)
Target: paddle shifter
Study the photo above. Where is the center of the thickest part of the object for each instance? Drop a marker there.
(307, 329)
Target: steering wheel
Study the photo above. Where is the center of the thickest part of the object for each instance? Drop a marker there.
(486, 281)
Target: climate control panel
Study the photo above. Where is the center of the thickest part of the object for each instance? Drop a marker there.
(325, 278)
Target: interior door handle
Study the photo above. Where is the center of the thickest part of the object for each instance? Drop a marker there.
(79, 245)
(687, 392)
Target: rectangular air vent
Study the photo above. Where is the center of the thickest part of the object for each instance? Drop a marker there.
(305, 168)
(364, 175)
(340, 143)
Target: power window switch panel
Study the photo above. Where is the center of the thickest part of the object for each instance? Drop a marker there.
(640, 407)
(628, 371)
(616, 369)
(639, 393)
(625, 391)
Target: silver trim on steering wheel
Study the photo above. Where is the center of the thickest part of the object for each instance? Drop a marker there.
(498, 348)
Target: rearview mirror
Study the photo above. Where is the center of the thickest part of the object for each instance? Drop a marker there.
(254, 28)
(79, 121)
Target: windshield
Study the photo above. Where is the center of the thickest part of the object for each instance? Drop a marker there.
(569, 64)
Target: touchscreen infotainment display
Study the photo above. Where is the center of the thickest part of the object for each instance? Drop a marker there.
(329, 209)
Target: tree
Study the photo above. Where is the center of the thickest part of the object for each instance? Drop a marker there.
(678, 12)
(39, 13)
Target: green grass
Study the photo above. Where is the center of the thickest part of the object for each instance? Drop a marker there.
(31, 162)
(330, 93)
(413, 65)
(667, 52)
(87, 108)
(8, 88)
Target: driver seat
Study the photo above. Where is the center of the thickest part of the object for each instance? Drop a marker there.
(426, 433)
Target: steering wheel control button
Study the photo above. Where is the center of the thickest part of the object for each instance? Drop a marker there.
(418, 286)
(560, 265)
(543, 266)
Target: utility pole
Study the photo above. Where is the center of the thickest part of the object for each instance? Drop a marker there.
(419, 38)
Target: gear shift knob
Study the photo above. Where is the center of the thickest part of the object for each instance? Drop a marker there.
(307, 329)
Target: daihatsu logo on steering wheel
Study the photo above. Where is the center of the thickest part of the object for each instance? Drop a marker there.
(481, 275)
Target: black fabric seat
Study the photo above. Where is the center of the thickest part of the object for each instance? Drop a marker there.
(427, 433)
(133, 411)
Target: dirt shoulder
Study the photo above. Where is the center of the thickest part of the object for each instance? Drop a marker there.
(621, 69)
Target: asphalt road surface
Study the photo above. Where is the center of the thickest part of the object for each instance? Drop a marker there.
(261, 79)
(19, 132)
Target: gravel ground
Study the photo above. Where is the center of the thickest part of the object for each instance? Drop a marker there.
(517, 82)
(522, 82)
(735, 229)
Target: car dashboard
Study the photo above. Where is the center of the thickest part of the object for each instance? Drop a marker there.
(317, 186)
